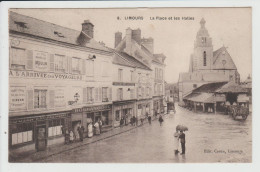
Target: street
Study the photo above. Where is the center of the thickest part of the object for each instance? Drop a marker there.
(211, 138)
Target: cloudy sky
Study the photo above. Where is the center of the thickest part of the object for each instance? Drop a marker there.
(230, 27)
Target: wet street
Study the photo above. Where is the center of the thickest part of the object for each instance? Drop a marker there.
(211, 138)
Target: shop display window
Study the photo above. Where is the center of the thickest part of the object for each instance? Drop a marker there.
(104, 118)
(117, 117)
(21, 133)
(55, 127)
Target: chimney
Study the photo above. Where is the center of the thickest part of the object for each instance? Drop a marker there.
(88, 28)
(136, 35)
(118, 38)
(128, 37)
(148, 44)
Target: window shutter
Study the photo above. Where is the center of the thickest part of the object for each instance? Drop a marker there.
(96, 94)
(85, 95)
(83, 70)
(30, 99)
(29, 60)
(69, 64)
(51, 62)
(110, 93)
(51, 98)
(66, 64)
(100, 94)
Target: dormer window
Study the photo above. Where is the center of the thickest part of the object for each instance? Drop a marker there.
(58, 34)
(21, 25)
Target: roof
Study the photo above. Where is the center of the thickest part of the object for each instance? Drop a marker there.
(201, 97)
(217, 52)
(231, 87)
(242, 98)
(124, 59)
(35, 27)
(223, 60)
(210, 88)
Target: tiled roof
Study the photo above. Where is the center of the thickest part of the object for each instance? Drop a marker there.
(209, 88)
(231, 87)
(201, 97)
(217, 52)
(43, 29)
(123, 58)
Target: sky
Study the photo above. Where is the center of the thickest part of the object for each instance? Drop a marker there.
(231, 27)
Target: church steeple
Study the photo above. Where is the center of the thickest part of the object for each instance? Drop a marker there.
(203, 39)
(202, 23)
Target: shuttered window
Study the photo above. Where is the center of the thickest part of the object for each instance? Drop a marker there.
(60, 63)
(104, 94)
(18, 58)
(51, 98)
(90, 94)
(40, 98)
(75, 65)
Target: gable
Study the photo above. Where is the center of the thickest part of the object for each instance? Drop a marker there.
(223, 60)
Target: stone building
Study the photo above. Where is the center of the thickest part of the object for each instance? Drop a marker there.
(206, 65)
(58, 78)
(142, 49)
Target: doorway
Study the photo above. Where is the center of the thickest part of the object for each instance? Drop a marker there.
(41, 138)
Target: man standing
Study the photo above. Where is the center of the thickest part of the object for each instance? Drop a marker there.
(149, 119)
(182, 139)
(81, 131)
(100, 125)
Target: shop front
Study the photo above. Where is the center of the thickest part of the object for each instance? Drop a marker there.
(123, 109)
(36, 132)
(91, 114)
(143, 108)
(158, 106)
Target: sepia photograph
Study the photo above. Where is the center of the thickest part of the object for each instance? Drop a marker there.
(130, 85)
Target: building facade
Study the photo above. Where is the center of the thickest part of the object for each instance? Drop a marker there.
(57, 79)
(206, 65)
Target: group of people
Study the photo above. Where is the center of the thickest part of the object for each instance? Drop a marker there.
(179, 137)
(78, 134)
(134, 120)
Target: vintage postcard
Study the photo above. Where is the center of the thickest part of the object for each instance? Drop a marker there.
(130, 85)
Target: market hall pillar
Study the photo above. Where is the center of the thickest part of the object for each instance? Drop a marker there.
(195, 108)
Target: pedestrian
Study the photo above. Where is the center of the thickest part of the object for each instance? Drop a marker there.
(90, 129)
(142, 121)
(131, 121)
(134, 119)
(71, 136)
(150, 119)
(100, 125)
(160, 120)
(67, 136)
(81, 131)
(122, 122)
(182, 139)
(96, 128)
(176, 142)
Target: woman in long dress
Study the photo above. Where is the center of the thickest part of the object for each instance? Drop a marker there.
(176, 142)
(90, 129)
(97, 131)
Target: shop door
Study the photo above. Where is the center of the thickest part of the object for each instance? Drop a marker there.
(41, 138)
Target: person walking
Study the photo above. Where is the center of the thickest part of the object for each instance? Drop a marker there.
(176, 142)
(96, 127)
(150, 119)
(71, 136)
(90, 129)
(160, 120)
(67, 136)
(81, 131)
(134, 119)
(182, 139)
(142, 121)
(121, 122)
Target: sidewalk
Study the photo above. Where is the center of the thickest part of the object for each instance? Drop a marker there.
(33, 156)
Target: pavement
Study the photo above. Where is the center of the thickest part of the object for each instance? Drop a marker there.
(34, 156)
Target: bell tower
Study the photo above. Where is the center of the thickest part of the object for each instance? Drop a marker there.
(203, 49)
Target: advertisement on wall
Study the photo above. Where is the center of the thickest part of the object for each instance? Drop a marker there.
(40, 61)
(59, 98)
(17, 99)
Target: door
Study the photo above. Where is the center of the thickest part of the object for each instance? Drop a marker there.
(41, 138)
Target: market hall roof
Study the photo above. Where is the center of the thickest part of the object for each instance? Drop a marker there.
(210, 87)
(35, 27)
(232, 87)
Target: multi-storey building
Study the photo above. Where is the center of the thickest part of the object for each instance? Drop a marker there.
(58, 78)
(206, 65)
(142, 50)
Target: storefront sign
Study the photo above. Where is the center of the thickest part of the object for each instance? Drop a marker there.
(33, 74)
(39, 118)
(93, 108)
(59, 98)
(17, 98)
(40, 61)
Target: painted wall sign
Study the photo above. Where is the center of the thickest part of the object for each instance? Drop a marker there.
(17, 98)
(59, 98)
(93, 108)
(33, 74)
(40, 61)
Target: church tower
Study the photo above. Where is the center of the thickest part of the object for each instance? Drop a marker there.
(203, 50)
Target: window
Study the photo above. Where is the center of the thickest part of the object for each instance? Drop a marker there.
(147, 78)
(55, 127)
(104, 94)
(147, 91)
(120, 74)
(59, 63)
(204, 58)
(143, 91)
(117, 116)
(203, 40)
(76, 65)
(104, 118)
(18, 59)
(21, 133)
(120, 93)
(132, 94)
(105, 68)
(89, 67)
(132, 76)
(139, 77)
(40, 98)
(90, 94)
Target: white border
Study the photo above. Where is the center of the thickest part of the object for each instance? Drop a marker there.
(5, 166)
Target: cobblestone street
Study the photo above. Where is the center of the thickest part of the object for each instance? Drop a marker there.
(211, 138)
